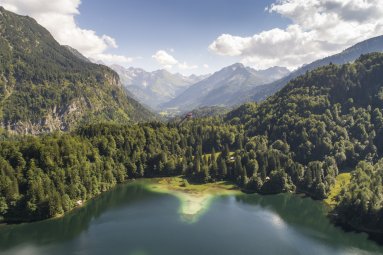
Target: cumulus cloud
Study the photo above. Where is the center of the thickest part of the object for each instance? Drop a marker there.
(164, 58)
(318, 28)
(167, 61)
(58, 17)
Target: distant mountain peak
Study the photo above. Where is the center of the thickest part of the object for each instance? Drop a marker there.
(232, 70)
(162, 89)
(223, 87)
(161, 71)
(350, 54)
(154, 88)
(236, 66)
(280, 68)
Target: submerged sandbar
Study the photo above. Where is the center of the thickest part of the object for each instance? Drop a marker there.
(195, 198)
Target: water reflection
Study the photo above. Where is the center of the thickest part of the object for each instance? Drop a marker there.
(74, 223)
(308, 217)
(132, 220)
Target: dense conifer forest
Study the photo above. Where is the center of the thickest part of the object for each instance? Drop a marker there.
(323, 123)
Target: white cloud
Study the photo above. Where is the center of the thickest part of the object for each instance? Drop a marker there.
(111, 58)
(111, 42)
(167, 61)
(164, 58)
(318, 28)
(206, 66)
(58, 16)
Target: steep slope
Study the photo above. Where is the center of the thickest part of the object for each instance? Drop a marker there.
(45, 87)
(348, 55)
(224, 87)
(332, 116)
(154, 88)
(317, 100)
(77, 53)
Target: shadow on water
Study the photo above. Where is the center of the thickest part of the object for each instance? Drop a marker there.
(74, 223)
(147, 215)
(310, 218)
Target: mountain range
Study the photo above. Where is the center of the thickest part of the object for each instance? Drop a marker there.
(154, 88)
(224, 87)
(164, 91)
(231, 86)
(45, 86)
(348, 55)
(320, 123)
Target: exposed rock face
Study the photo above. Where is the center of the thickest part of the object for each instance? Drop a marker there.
(45, 86)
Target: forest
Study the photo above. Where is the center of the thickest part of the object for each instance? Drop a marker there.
(325, 122)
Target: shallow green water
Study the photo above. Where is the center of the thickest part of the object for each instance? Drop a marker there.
(133, 221)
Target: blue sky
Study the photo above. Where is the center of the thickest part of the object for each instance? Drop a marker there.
(183, 28)
(187, 36)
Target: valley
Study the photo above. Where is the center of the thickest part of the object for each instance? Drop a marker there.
(241, 160)
(173, 94)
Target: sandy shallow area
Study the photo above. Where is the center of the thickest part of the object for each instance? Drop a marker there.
(194, 199)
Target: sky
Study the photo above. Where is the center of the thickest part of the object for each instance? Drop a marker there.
(203, 36)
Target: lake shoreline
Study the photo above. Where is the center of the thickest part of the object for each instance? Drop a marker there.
(199, 201)
(373, 234)
(78, 206)
(133, 220)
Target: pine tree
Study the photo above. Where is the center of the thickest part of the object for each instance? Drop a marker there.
(226, 152)
(244, 179)
(197, 165)
(238, 169)
(252, 167)
(213, 158)
(222, 170)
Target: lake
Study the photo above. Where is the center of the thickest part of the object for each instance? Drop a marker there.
(132, 220)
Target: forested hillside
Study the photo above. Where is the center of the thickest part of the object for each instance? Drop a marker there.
(45, 87)
(327, 121)
(361, 201)
(330, 115)
(332, 111)
(348, 55)
(45, 176)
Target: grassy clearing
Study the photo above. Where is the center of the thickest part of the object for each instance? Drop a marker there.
(181, 184)
(342, 180)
